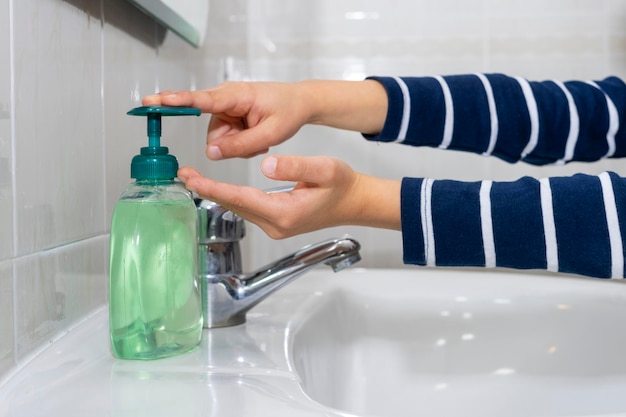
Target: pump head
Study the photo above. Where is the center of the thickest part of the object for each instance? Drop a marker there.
(155, 161)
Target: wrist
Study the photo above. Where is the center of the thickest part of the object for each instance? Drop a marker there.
(351, 105)
(377, 202)
(318, 103)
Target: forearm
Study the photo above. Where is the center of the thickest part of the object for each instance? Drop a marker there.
(565, 224)
(359, 106)
(508, 117)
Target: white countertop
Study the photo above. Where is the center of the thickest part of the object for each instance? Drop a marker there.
(236, 371)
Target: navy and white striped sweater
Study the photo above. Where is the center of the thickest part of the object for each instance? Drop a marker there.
(571, 224)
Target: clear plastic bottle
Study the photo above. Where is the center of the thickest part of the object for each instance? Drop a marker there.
(154, 304)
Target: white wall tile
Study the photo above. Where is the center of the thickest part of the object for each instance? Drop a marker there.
(7, 356)
(55, 289)
(38, 305)
(6, 147)
(58, 125)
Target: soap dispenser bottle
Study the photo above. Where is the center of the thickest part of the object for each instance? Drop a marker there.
(154, 301)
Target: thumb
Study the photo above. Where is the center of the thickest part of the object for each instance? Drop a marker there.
(312, 169)
(225, 142)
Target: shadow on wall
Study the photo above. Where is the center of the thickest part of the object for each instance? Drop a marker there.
(126, 17)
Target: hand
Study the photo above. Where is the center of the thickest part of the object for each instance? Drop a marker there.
(327, 193)
(249, 118)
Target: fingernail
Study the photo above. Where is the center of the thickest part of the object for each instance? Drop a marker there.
(268, 166)
(214, 153)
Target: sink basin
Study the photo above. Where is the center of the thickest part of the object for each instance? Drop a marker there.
(462, 343)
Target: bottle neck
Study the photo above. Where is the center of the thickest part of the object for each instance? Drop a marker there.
(155, 181)
(156, 190)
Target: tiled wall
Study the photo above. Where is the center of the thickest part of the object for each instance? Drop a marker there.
(537, 39)
(69, 71)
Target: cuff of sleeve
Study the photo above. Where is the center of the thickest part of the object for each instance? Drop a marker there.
(412, 232)
(441, 223)
(395, 105)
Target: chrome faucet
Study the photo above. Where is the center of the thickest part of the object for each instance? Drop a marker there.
(227, 292)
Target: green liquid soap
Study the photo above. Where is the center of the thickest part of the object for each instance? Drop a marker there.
(154, 298)
(155, 309)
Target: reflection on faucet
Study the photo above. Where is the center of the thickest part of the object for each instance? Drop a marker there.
(228, 293)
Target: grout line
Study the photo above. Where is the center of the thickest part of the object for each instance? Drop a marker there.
(62, 246)
(103, 114)
(105, 201)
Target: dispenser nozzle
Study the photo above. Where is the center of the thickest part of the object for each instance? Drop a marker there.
(155, 162)
(154, 130)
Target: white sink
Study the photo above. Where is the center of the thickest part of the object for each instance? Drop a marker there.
(375, 343)
(463, 343)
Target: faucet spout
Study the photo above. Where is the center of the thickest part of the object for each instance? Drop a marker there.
(337, 253)
(228, 297)
(227, 292)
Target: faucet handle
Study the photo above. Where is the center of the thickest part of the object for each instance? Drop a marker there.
(217, 224)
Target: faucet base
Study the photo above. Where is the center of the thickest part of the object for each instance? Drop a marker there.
(218, 301)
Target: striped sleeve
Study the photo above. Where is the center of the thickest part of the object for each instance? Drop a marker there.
(549, 122)
(564, 224)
